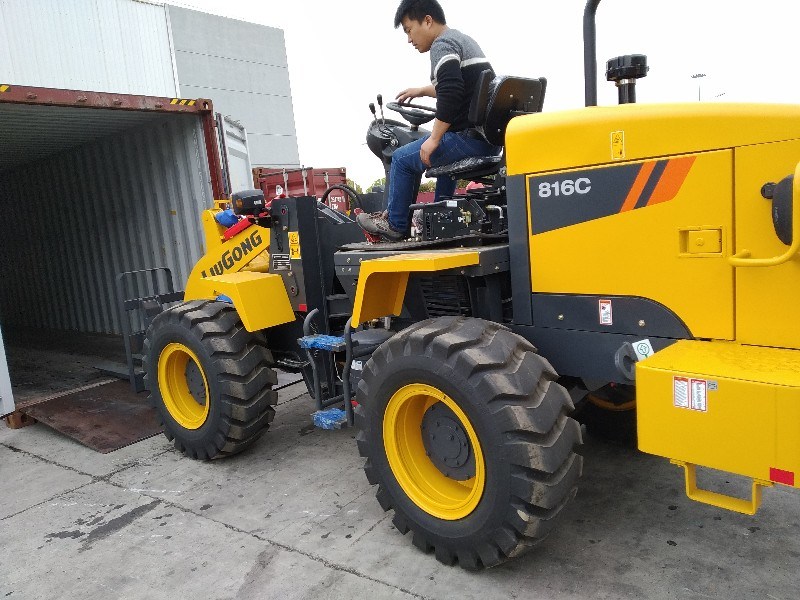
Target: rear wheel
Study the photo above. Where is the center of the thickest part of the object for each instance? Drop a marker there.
(468, 437)
(210, 379)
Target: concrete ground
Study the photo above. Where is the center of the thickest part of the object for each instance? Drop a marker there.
(294, 517)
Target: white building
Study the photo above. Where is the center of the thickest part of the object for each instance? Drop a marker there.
(152, 48)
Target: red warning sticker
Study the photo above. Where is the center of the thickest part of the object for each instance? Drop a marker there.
(606, 316)
(691, 393)
(680, 392)
(699, 400)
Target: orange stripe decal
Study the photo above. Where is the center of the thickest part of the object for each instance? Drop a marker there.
(671, 181)
(638, 186)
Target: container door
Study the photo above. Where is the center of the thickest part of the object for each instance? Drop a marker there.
(234, 154)
(767, 309)
(6, 399)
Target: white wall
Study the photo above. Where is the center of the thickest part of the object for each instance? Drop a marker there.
(117, 46)
(243, 68)
(149, 48)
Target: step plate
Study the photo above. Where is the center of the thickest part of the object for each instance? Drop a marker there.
(105, 418)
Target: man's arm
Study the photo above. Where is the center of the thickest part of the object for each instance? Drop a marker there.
(419, 92)
(430, 145)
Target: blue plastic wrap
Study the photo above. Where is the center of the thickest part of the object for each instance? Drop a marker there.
(331, 343)
(226, 218)
(330, 418)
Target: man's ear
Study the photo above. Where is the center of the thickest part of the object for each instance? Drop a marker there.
(428, 20)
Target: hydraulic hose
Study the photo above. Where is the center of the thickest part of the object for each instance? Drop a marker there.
(348, 190)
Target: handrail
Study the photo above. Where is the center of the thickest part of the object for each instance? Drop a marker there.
(590, 52)
(742, 258)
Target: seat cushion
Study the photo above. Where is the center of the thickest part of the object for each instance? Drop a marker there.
(467, 166)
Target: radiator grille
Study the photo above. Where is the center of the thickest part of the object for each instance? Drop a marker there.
(446, 296)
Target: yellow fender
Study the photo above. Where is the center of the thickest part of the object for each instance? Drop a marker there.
(382, 282)
(231, 268)
(259, 298)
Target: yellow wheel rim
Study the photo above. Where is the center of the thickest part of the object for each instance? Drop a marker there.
(189, 409)
(419, 477)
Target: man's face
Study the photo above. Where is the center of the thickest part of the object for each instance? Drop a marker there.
(420, 33)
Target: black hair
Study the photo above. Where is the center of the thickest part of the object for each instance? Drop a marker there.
(416, 10)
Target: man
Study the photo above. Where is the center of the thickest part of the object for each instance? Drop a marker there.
(456, 64)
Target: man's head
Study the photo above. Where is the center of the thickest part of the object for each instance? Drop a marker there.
(422, 20)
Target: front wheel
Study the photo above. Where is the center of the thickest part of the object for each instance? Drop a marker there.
(468, 436)
(210, 380)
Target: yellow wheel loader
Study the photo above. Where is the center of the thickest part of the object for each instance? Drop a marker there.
(653, 246)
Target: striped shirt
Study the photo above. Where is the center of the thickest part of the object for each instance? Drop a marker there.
(456, 64)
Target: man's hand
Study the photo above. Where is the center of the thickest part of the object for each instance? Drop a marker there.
(429, 146)
(416, 92)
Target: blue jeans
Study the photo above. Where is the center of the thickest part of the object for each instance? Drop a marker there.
(407, 169)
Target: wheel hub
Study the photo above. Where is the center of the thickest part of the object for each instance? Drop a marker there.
(446, 443)
(196, 383)
(183, 385)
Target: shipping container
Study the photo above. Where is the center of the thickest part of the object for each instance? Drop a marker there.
(305, 181)
(93, 185)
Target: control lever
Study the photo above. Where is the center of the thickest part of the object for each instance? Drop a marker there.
(380, 103)
(372, 110)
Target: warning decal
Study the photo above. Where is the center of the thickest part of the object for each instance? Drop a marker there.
(699, 395)
(294, 244)
(691, 393)
(617, 145)
(606, 316)
(680, 392)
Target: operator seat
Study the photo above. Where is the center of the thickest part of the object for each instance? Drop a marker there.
(495, 102)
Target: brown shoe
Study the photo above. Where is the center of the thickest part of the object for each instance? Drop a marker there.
(378, 224)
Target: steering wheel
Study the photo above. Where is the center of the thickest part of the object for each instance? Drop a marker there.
(416, 114)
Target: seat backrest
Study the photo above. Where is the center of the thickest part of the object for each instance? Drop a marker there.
(499, 99)
(480, 99)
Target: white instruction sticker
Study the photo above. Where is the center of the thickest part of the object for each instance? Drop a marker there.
(357, 365)
(606, 316)
(699, 395)
(680, 392)
(643, 349)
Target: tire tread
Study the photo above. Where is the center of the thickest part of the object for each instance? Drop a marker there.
(244, 370)
(539, 437)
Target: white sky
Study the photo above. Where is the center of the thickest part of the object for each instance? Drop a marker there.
(341, 54)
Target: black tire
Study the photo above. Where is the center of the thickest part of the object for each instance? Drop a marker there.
(236, 365)
(519, 414)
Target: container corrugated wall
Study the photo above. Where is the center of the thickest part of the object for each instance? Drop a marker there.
(117, 46)
(71, 223)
